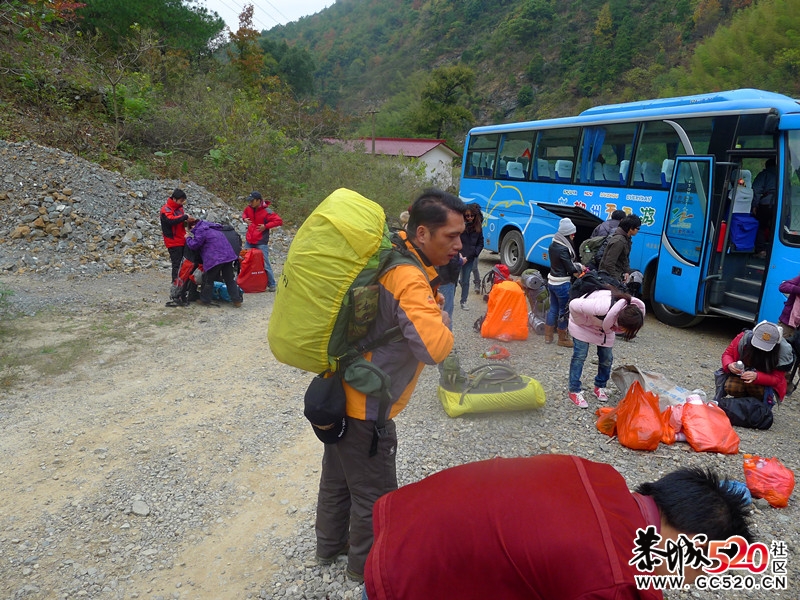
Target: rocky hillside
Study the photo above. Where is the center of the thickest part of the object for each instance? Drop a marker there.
(63, 215)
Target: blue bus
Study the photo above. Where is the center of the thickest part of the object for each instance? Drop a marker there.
(686, 166)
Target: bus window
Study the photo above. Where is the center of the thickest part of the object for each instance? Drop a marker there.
(558, 148)
(514, 155)
(750, 134)
(603, 150)
(659, 144)
(790, 217)
(481, 155)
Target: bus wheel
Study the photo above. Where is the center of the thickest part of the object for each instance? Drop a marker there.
(675, 318)
(512, 252)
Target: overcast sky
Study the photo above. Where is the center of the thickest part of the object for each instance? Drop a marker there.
(267, 13)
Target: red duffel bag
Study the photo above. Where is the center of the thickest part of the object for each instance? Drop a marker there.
(252, 276)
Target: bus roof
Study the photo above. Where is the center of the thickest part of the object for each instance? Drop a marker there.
(733, 101)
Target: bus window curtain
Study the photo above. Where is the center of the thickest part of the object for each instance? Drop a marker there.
(593, 144)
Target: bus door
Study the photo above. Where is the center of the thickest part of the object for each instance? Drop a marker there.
(685, 242)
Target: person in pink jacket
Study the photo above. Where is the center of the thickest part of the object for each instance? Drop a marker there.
(596, 318)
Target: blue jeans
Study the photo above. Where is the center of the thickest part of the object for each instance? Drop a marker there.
(559, 303)
(267, 267)
(448, 290)
(579, 352)
(466, 271)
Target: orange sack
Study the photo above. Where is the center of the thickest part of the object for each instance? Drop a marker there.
(768, 478)
(639, 424)
(708, 429)
(507, 314)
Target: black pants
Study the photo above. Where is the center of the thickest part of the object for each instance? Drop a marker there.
(210, 276)
(176, 257)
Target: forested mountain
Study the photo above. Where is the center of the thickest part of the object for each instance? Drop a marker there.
(543, 58)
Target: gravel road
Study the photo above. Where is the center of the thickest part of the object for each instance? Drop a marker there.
(173, 460)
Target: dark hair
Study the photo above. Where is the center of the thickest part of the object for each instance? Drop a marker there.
(760, 360)
(477, 222)
(618, 215)
(630, 318)
(693, 501)
(431, 209)
(771, 162)
(630, 222)
(178, 194)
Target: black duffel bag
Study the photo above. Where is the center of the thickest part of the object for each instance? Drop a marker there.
(747, 412)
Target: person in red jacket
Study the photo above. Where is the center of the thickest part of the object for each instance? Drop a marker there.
(757, 359)
(548, 526)
(173, 228)
(260, 218)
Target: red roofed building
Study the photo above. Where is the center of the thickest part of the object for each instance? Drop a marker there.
(436, 155)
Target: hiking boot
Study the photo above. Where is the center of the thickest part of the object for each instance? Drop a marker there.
(564, 339)
(549, 332)
(329, 560)
(352, 575)
(601, 394)
(464, 306)
(578, 400)
(237, 304)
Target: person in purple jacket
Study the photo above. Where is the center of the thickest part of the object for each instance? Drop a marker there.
(788, 318)
(217, 257)
(596, 318)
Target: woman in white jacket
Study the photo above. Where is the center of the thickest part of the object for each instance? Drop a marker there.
(596, 318)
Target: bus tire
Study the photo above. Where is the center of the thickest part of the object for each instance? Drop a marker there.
(672, 317)
(512, 252)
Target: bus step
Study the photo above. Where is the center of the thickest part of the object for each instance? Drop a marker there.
(745, 282)
(742, 315)
(742, 297)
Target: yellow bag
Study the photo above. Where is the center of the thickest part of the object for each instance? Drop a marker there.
(488, 388)
(507, 314)
(344, 236)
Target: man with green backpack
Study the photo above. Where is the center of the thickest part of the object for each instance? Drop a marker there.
(360, 467)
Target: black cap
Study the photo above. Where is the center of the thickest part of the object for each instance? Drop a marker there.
(326, 408)
(254, 196)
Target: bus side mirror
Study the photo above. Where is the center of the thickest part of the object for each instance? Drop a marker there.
(771, 122)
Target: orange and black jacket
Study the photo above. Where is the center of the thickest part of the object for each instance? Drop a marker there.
(406, 299)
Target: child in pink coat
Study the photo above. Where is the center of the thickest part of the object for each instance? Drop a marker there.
(596, 318)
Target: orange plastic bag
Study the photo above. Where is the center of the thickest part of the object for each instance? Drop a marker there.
(606, 420)
(671, 423)
(708, 429)
(507, 313)
(768, 478)
(639, 421)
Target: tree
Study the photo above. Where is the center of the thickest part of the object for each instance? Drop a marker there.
(440, 100)
(245, 53)
(178, 26)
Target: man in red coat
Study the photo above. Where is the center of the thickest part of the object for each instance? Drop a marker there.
(260, 218)
(549, 526)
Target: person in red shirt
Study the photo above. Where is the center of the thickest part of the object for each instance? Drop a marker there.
(260, 218)
(548, 526)
(173, 227)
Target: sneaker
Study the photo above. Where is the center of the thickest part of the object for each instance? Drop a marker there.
(464, 306)
(272, 288)
(352, 575)
(237, 304)
(601, 394)
(329, 560)
(578, 399)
